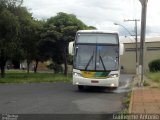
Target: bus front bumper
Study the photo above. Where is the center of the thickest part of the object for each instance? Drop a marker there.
(108, 82)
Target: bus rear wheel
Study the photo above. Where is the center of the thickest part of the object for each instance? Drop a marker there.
(80, 87)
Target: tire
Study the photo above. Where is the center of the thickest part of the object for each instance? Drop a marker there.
(80, 87)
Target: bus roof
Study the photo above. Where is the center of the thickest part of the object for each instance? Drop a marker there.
(97, 31)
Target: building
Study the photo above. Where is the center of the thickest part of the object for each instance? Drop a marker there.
(128, 59)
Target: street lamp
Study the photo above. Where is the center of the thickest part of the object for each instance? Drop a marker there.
(124, 28)
(135, 41)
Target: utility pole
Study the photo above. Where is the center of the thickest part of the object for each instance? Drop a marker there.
(142, 43)
(136, 41)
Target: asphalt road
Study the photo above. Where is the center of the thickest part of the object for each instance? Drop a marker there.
(61, 98)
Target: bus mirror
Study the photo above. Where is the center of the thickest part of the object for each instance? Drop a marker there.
(70, 48)
(121, 48)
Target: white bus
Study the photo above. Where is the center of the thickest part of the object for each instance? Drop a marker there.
(96, 58)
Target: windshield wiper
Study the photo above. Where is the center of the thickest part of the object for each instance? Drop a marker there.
(89, 61)
(76, 51)
(102, 62)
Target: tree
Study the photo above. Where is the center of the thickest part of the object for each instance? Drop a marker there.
(23, 15)
(64, 29)
(40, 53)
(47, 45)
(30, 38)
(9, 27)
(9, 31)
(91, 28)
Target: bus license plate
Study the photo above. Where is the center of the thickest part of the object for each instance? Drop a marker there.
(94, 81)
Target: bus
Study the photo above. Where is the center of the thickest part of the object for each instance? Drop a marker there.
(96, 58)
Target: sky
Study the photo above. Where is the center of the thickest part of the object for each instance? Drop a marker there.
(101, 13)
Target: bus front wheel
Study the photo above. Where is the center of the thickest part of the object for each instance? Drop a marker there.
(80, 87)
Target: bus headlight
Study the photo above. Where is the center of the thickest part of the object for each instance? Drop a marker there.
(77, 74)
(113, 75)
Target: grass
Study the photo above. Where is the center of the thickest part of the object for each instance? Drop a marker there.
(127, 99)
(18, 76)
(126, 102)
(153, 79)
(146, 83)
(155, 76)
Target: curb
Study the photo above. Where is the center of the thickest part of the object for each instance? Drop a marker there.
(131, 99)
(130, 104)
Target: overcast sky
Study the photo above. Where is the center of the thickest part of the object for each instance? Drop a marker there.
(100, 13)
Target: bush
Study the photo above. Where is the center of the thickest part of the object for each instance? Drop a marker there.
(154, 65)
(56, 67)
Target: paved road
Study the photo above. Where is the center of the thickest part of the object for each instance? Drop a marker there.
(61, 98)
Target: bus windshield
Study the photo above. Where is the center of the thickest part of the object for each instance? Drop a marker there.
(97, 57)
